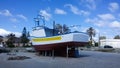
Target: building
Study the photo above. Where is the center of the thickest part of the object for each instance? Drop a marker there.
(17, 42)
(115, 43)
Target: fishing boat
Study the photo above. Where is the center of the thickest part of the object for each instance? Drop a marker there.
(50, 42)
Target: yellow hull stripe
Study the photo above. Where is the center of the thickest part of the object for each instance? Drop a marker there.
(46, 39)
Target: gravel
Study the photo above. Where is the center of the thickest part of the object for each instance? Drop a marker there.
(87, 59)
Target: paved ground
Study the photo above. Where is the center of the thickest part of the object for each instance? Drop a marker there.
(87, 59)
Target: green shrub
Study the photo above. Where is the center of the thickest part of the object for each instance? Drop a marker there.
(11, 45)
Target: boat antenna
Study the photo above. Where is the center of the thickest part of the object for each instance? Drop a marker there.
(53, 28)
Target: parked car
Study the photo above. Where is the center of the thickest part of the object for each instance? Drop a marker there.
(30, 49)
(3, 50)
(108, 46)
(1, 45)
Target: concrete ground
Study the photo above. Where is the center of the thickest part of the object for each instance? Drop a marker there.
(87, 59)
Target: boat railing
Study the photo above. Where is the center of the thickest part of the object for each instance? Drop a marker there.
(37, 28)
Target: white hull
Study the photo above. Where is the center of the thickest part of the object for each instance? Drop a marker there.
(72, 37)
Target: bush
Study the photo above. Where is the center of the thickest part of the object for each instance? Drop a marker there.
(11, 45)
(26, 45)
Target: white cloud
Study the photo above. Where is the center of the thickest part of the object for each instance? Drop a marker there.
(89, 3)
(17, 34)
(111, 26)
(90, 20)
(85, 12)
(76, 10)
(6, 13)
(96, 21)
(115, 24)
(12, 17)
(84, 29)
(14, 20)
(4, 32)
(60, 11)
(113, 6)
(106, 21)
(100, 23)
(75, 28)
(106, 16)
(101, 20)
(22, 17)
(45, 14)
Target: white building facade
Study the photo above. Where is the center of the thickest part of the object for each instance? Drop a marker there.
(115, 43)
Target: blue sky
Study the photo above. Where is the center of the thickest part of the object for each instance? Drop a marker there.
(102, 15)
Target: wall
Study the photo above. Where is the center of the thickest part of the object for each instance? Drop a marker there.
(115, 43)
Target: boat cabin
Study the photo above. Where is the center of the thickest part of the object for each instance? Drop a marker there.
(44, 32)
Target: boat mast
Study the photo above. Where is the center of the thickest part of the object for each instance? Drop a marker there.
(38, 19)
(41, 17)
(53, 28)
(36, 22)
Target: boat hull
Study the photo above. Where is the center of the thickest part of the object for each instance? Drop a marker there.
(59, 46)
(60, 42)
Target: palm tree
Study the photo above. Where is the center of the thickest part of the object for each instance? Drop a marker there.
(65, 29)
(62, 29)
(91, 33)
(59, 28)
(117, 37)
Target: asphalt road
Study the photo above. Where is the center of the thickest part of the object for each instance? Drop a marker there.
(87, 59)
